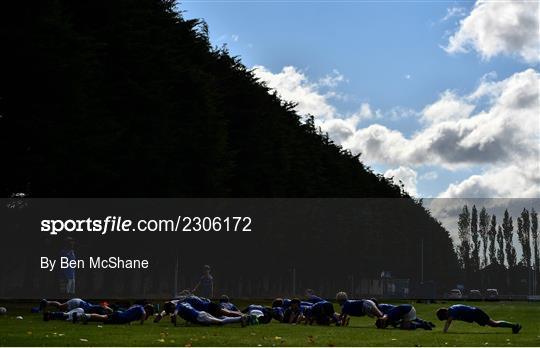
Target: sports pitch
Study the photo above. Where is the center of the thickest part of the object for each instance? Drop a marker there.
(33, 331)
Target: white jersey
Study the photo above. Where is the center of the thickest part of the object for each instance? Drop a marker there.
(79, 311)
(411, 315)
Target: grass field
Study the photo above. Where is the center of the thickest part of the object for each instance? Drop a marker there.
(33, 331)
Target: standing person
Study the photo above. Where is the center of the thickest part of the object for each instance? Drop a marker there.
(205, 284)
(69, 272)
(472, 314)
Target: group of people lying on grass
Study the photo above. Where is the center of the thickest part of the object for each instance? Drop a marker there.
(312, 310)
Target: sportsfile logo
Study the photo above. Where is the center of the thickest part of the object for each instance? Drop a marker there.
(110, 223)
(120, 224)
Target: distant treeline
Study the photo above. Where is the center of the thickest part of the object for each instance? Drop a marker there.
(487, 248)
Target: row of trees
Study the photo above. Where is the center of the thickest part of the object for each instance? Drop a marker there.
(484, 243)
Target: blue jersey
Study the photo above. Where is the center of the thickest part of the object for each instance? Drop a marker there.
(385, 308)
(463, 312)
(78, 303)
(87, 306)
(97, 309)
(197, 303)
(398, 312)
(279, 311)
(315, 299)
(353, 308)
(255, 307)
(319, 310)
(315, 309)
(187, 312)
(134, 313)
(307, 311)
(286, 303)
(229, 306)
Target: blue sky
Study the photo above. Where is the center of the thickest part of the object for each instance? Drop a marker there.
(391, 56)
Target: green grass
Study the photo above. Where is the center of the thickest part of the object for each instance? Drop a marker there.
(33, 331)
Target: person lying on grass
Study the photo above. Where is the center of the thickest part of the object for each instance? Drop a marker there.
(403, 316)
(72, 304)
(185, 311)
(62, 315)
(217, 310)
(225, 303)
(356, 308)
(68, 315)
(268, 313)
(168, 309)
(210, 307)
(321, 313)
(311, 297)
(133, 313)
(293, 313)
(472, 314)
(386, 308)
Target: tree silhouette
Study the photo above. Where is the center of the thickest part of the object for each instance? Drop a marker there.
(508, 229)
(475, 257)
(500, 243)
(492, 234)
(464, 234)
(534, 233)
(524, 236)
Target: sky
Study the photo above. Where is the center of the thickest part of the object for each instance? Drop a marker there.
(440, 95)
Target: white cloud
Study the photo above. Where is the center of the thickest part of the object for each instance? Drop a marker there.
(235, 37)
(507, 130)
(332, 80)
(496, 128)
(339, 129)
(294, 86)
(453, 12)
(406, 176)
(366, 112)
(449, 107)
(499, 27)
(514, 181)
